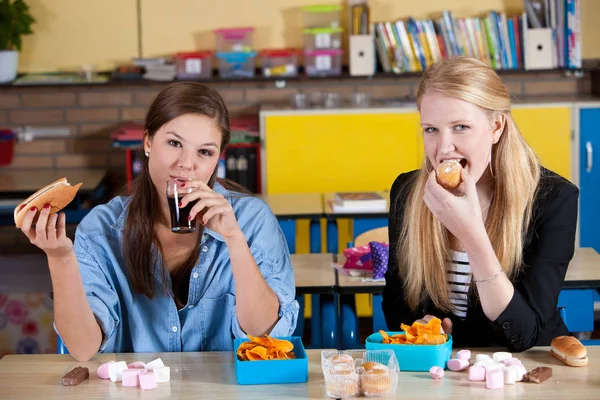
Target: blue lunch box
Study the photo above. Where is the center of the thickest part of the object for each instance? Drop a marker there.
(266, 372)
(414, 357)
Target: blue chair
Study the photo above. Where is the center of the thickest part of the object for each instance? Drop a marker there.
(350, 331)
(60, 346)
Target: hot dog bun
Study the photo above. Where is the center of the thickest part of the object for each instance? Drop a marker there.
(448, 174)
(58, 194)
(569, 350)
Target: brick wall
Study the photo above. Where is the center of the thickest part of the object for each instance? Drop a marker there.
(92, 112)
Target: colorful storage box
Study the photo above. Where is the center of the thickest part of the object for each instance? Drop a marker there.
(322, 16)
(7, 146)
(322, 39)
(236, 65)
(234, 39)
(279, 62)
(273, 371)
(323, 62)
(414, 357)
(195, 65)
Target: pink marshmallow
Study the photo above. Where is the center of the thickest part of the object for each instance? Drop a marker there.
(147, 380)
(458, 364)
(436, 373)
(137, 365)
(494, 379)
(512, 361)
(477, 373)
(464, 355)
(131, 377)
(102, 370)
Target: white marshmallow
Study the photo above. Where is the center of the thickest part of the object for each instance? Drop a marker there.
(483, 362)
(501, 355)
(520, 371)
(464, 354)
(510, 376)
(163, 374)
(158, 363)
(481, 357)
(115, 370)
(494, 366)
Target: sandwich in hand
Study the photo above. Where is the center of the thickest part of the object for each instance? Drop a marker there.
(58, 194)
(569, 350)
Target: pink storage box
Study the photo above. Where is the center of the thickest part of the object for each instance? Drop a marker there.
(234, 40)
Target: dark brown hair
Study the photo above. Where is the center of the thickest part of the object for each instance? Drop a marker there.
(176, 99)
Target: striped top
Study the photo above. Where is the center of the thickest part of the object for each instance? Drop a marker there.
(459, 281)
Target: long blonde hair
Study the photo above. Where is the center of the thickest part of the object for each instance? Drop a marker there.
(423, 249)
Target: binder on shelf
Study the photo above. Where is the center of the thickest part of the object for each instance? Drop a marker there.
(539, 49)
(362, 55)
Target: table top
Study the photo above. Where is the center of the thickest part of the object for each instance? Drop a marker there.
(328, 207)
(313, 273)
(30, 181)
(295, 205)
(213, 374)
(583, 273)
(584, 269)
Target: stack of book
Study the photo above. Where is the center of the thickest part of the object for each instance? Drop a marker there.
(359, 202)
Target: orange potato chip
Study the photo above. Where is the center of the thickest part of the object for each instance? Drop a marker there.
(265, 348)
(257, 353)
(437, 339)
(417, 333)
(433, 327)
(241, 351)
(385, 338)
(283, 345)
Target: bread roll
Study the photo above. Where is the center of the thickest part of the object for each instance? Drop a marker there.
(569, 350)
(58, 194)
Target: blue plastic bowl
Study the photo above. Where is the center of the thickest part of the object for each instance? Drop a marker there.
(414, 357)
(272, 371)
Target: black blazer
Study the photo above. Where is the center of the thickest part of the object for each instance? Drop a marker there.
(531, 318)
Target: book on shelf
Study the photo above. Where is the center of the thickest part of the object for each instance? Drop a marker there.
(496, 38)
(359, 202)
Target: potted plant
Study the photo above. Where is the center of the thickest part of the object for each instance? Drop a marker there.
(15, 21)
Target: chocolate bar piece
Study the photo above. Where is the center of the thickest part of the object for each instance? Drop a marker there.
(538, 375)
(75, 376)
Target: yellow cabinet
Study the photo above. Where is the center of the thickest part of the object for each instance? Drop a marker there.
(547, 129)
(339, 151)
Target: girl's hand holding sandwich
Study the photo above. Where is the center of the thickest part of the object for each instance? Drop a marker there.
(49, 232)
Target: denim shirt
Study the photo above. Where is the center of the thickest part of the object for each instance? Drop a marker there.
(131, 322)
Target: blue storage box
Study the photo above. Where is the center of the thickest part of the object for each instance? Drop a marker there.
(272, 371)
(414, 357)
(237, 65)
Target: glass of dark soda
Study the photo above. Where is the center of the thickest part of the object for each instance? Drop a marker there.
(176, 190)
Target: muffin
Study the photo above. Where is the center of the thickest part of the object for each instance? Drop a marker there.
(376, 380)
(342, 381)
(342, 359)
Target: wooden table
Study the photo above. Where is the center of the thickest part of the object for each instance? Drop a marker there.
(583, 273)
(313, 273)
(212, 375)
(295, 205)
